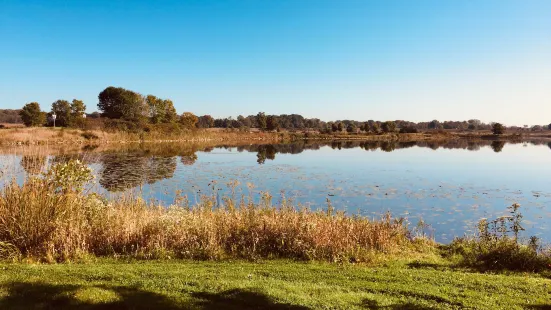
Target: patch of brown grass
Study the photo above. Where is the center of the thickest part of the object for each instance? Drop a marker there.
(42, 223)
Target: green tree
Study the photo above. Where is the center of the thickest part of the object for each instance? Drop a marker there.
(272, 123)
(188, 120)
(389, 126)
(340, 127)
(262, 120)
(156, 109)
(32, 115)
(375, 127)
(62, 110)
(351, 128)
(120, 103)
(77, 113)
(498, 129)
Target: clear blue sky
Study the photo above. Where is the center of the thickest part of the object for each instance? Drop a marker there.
(388, 59)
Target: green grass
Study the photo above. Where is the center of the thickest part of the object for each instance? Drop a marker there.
(273, 284)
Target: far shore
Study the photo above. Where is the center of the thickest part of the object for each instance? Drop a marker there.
(70, 136)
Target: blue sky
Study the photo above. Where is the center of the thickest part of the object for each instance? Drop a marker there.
(388, 59)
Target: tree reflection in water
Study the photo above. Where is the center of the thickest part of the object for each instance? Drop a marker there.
(147, 164)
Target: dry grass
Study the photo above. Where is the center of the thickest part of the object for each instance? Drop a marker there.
(51, 220)
(45, 135)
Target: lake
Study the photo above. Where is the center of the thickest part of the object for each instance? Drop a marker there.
(449, 185)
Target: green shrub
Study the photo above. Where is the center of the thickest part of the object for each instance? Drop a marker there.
(497, 246)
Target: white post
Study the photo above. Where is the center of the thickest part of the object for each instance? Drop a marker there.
(54, 117)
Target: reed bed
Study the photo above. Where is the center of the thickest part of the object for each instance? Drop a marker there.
(52, 218)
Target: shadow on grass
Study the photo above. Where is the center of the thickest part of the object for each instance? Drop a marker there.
(23, 295)
(372, 304)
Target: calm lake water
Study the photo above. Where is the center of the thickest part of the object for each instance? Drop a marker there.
(449, 185)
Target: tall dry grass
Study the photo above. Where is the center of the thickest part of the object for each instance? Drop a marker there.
(51, 218)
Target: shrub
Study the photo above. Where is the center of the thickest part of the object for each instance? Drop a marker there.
(408, 129)
(497, 246)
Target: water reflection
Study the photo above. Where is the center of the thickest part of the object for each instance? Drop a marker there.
(137, 165)
(33, 164)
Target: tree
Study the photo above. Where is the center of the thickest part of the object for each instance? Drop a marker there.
(31, 115)
(156, 109)
(498, 129)
(375, 127)
(272, 123)
(351, 128)
(549, 127)
(62, 110)
(434, 124)
(205, 121)
(188, 120)
(340, 126)
(77, 113)
(160, 110)
(120, 103)
(261, 119)
(389, 126)
(171, 115)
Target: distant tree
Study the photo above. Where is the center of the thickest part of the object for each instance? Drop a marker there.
(10, 116)
(472, 127)
(62, 110)
(77, 113)
(32, 115)
(408, 129)
(351, 128)
(120, 103)
(365, 127)
(272, 123)
(498, 129)
(245, 121)
(537, 128)
(549, 126)
(375, 127)
(340, 126)
(188, 120)
(205, 121)
(95, 114)
(389, 126)
(160, 110)
(171, 115)
(434, 124)
(156, 109)
(262, 120)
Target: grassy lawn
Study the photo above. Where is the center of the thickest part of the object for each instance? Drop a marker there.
(108, 284)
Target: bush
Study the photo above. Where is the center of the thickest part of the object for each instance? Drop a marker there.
(122, 125)
(408, 130)
(497, 246)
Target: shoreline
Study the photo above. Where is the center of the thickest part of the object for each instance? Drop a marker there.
(60, 136)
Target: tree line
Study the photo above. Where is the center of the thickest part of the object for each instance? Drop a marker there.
(128, 110)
